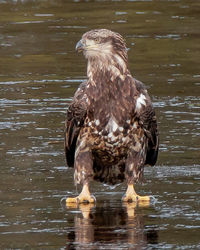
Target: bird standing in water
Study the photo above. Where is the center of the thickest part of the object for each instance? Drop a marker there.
(111, 128)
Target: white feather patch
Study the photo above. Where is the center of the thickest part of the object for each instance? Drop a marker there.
(112, 125)
(121, 129)
(111, 136)
(140, 101)
(97, 122)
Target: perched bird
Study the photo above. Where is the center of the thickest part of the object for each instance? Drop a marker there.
(111, 127)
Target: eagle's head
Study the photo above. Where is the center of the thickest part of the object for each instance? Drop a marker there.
(104, 48)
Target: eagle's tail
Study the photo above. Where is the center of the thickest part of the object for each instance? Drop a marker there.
(111, 175)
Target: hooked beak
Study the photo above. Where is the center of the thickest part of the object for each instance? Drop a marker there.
(79, 46)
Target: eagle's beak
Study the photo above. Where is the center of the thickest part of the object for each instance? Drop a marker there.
(79, 46)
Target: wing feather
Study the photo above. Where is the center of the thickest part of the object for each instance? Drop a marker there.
(76, 114)
(148, 120)
(152, 135)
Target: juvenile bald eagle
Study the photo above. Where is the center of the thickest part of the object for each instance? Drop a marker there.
(111, 128)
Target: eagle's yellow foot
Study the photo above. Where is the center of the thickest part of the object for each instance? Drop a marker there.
(81, 199)
(132, 196)
(84, 197)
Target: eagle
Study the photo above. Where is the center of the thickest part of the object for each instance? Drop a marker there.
(111, 128)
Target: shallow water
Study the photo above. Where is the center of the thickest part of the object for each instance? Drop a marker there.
(39, 72)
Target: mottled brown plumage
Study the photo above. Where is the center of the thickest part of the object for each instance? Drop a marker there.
(111, 128)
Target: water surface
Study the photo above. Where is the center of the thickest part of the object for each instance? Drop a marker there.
(39, 72)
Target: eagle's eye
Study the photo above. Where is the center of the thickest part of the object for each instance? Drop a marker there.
(97, 40)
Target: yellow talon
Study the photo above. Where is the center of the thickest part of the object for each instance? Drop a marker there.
(71, 200)
(84, 197)
(132, 196)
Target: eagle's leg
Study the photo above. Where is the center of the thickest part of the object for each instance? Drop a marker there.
(132, 196)
(83, 197)
(83, 174)
(133, 172)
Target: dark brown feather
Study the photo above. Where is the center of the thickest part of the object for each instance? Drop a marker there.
(149, 121)
(76, 114)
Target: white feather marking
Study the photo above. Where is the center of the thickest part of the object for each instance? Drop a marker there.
(140, 101)
(124, 139)
(112, 125)
(121, 62)
(134, 125)
(82, 144)
(111, 136)
(97, 122)
(83, 173)
(121, 129)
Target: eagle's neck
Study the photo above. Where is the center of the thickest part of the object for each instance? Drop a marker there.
(107, 68)
(109, 81)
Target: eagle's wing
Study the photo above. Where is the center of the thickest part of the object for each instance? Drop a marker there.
(148, 120)
(76, 114)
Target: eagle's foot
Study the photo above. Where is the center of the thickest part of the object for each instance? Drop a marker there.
(81, 199)
(132, 196)
(136, 198)
(84, 197)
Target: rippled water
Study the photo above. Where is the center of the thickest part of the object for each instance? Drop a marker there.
(39, 72)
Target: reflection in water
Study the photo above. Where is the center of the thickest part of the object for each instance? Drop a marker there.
(113, 227)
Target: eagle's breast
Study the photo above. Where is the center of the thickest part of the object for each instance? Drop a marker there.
(111, 127)
(111, 141)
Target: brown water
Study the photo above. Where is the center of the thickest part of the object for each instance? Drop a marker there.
(39, 72)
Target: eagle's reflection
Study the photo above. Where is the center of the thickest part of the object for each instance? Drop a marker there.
(112, 227)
